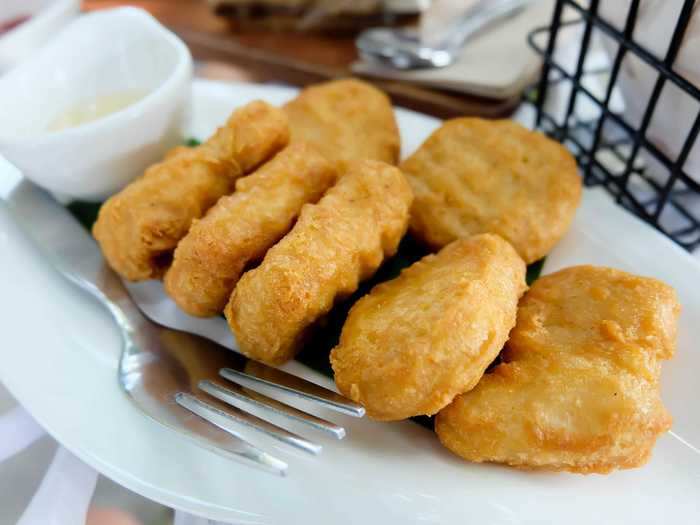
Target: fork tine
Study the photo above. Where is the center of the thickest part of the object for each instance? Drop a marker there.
(243, 448)
(233, 393)
(257, 373)
(226, 419)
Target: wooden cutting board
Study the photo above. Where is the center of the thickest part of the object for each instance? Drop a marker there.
(297, 59)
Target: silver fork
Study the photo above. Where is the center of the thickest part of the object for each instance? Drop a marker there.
(170, 374)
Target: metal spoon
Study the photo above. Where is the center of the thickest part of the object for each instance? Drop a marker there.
(404, 49)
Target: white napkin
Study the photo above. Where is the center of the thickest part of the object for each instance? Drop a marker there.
(497, 63)
(675, 110)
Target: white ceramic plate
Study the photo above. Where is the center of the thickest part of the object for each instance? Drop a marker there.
(59, 358)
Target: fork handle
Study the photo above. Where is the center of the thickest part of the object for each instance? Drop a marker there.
(478, 17)
(71, 250)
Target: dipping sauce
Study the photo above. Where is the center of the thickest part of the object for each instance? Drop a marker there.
(9, 25)
(94, 109)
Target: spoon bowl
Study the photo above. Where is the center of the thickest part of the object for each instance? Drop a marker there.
(401, 49)
(405, 49)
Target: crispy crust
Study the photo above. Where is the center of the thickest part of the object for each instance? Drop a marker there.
(139, 227)
(346, 120)
(414, 343)
(241, 227)
(334, 245)
(480, 176)
(579, 386)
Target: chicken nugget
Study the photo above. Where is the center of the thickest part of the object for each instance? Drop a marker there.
(345, 120)
(578, 388)
(241, 227)
(334, 245)
(139, 227)
(414, 343)
(482, 176)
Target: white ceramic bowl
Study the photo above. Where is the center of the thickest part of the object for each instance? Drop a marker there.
(97, 55)
(46, 18)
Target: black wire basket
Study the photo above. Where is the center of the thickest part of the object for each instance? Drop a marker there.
(612, 151)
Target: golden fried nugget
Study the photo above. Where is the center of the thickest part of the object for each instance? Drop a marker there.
(345, 120)
(579, 386)
(414, 343)
(139, 227)
(241, 227)
(481, 176)
(334, 245)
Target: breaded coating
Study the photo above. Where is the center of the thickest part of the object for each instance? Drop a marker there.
(484, 176)
(414, 343)
(334, 245)
(241, 227)
(139, 227)
(345, 120)
(579, 386)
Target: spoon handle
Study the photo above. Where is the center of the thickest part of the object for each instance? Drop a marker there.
(479, 16)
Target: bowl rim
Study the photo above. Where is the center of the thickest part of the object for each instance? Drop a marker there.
(180, 71)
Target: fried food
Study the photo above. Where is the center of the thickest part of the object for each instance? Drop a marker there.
(414, 343)
(481, 176)
(334, 245)
(579, 386)
(139, 227)
(345, 120)
(241, 227)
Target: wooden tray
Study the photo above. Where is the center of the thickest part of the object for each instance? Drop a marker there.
(292, 58)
